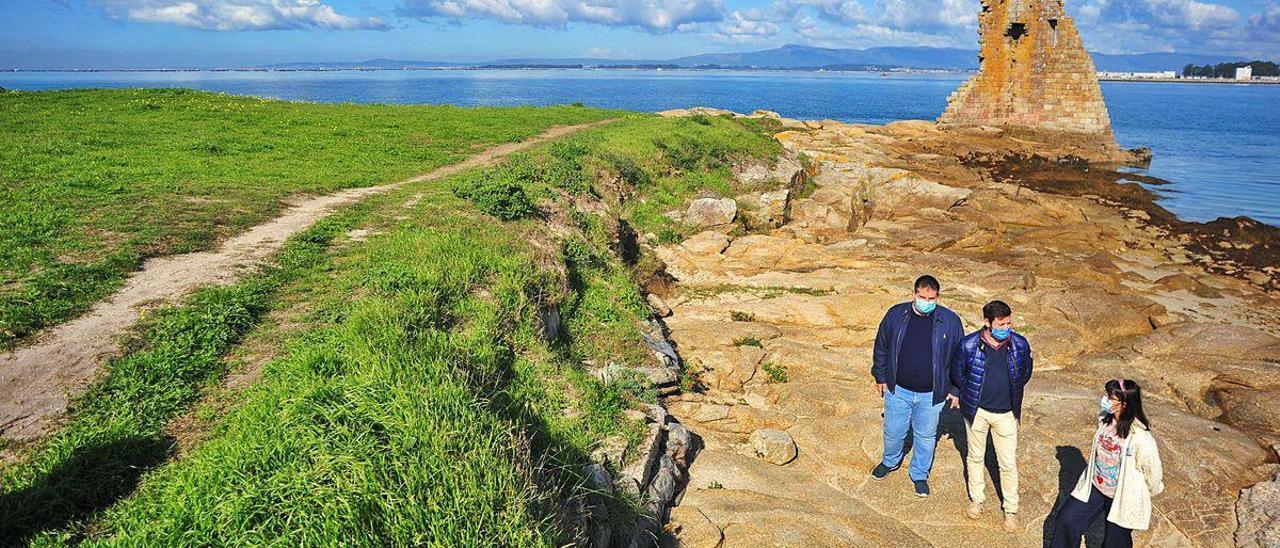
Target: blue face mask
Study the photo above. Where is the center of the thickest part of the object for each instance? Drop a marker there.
(1106, 405)
(925, 307)
(1001, 333)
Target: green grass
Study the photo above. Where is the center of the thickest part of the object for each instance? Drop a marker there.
(118, 426)
(764, 292)
(748, 341)
(95, 181)
(417, 404)
(777, 373)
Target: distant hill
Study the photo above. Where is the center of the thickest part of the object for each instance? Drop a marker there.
(792, 56)
(380, 64)
(795, 56)
(584, 61)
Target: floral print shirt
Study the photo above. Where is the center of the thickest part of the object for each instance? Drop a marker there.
(1106, 460)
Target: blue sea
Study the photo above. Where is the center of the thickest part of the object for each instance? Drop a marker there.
(1219, 144)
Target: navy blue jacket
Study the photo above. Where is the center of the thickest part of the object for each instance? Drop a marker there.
(971, 365)
(947, 332)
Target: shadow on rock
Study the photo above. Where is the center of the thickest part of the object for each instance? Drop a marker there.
(1071, 463)
(953, 425)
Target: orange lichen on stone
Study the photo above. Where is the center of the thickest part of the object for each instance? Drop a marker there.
(1034, 73)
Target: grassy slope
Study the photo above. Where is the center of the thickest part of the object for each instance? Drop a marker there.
(95, 181)
(418, 405)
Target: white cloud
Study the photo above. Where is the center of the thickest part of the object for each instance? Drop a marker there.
(1190, 14)
(745, 26)
(228, 15)
(1136, 26)
(657, 16)
(1265, 25)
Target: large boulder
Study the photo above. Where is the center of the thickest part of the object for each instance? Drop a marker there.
(773, 446)
(780, 173)
(708, 212)
(765, 209)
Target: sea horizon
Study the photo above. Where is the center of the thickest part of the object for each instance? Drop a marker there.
(1228, 178)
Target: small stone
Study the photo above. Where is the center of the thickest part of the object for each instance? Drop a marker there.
(599, 477)
(666, 483)
(658, 305)
(774, 446)
(660, 376)
(679, 441)
(708, 212)
(708, 242)
(611, 451)
(550, 320)
(655, 413)
(644, 466)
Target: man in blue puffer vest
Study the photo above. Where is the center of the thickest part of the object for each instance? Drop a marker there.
(911, 363)
(991, 369)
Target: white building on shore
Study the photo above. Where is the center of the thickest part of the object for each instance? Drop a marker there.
(1110, 75)
(1244, 73)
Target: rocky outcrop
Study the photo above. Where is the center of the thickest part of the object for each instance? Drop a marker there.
(1033, 74)
(709, 212)
(1258, 512)
(1098, 290)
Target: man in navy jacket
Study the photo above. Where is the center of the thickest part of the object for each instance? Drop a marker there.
(991, 369)
(911, 363)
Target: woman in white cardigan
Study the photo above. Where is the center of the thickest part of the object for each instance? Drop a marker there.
(1123, 475)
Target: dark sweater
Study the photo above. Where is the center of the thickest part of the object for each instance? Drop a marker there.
(915, 358)
(996, 392)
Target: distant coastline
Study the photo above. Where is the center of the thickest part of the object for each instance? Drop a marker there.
(890, 70)
(868, 70)
(1189, 80)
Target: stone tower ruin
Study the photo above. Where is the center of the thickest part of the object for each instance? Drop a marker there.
(1033, 74)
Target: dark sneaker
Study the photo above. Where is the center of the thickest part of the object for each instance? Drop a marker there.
(881, 471)
(922, 488)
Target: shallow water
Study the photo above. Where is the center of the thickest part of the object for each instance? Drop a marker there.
(1219, 144)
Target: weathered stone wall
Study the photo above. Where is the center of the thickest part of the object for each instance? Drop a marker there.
(1034, 73)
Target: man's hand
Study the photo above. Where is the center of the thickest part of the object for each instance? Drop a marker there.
(954, 401)
(880, 388)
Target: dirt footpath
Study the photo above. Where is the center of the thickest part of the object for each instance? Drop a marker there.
(37, 380)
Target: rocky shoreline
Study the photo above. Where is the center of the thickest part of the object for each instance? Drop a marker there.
(774, 311)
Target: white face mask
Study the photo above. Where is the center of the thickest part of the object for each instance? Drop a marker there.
(1106, 405)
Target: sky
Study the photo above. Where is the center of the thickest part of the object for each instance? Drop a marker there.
(61, 34)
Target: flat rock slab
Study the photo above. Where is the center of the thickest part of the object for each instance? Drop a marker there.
(812, 295)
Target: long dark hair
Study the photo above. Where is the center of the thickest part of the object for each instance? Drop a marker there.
(1130, 394)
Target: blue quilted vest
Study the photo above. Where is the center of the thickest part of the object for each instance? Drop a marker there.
(974, 368)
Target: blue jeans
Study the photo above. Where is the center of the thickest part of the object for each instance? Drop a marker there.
(905, 409)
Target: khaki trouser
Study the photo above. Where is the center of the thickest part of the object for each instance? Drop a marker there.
(1004, 435)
